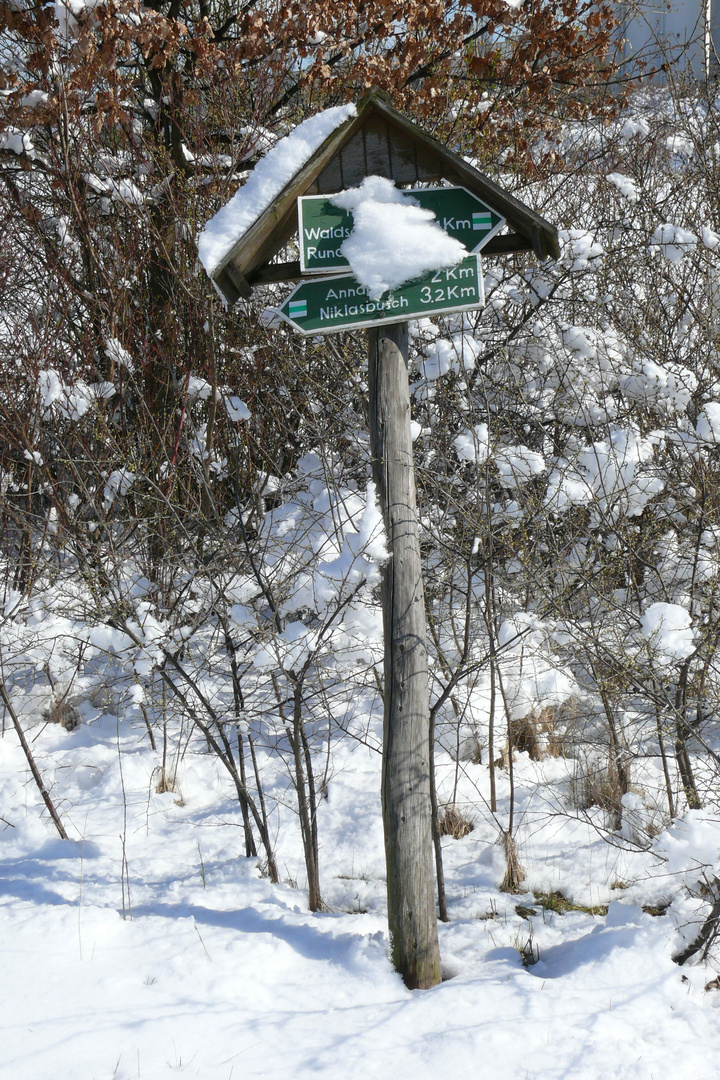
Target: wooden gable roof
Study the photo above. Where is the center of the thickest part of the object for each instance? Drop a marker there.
(378, 141)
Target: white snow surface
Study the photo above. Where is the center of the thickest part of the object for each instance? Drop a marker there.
(443, 355)
(708, 422)
(71, 400)
(668, 627)
(518, 464)
(393, 239)
(673, 241)
(473, 444)
(266, 181)
(668, 385)
(118, 484)
(579, 248)
(612, 477)
(215, 973)
(237, 410)
(710, 238)
(119, 354)
(625, 185)
(15, 140)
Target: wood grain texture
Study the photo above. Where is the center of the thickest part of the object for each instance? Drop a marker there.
(406, 743)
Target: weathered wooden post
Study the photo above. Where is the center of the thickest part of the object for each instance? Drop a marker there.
(379, 141)
(406, 806)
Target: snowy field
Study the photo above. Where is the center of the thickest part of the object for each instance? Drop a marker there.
(213, 972)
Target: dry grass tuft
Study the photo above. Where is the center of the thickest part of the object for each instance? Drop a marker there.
(514, 873)
(167, 781)
(547, 733)
(597, 787)
(62, 712)
(454, 823)
(555, 901)
(600, 784)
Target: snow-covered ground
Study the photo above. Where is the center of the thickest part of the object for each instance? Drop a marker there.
(214, 972)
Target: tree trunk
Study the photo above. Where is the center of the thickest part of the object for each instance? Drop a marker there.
(407, 814)
(682, 730)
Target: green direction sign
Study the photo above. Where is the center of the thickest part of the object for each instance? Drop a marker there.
(328, 305)
(323, 227)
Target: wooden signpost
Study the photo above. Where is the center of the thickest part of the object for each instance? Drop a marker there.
(380, 141)
(406, 804)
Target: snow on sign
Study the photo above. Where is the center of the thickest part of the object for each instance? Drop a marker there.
(333, 304)
(323, 227)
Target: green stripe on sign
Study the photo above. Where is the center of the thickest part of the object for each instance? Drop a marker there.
(482, 221)
(297, 309)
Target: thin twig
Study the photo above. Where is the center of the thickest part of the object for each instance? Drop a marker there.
(31, 762)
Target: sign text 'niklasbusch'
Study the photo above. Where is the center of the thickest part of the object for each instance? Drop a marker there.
(324, 305)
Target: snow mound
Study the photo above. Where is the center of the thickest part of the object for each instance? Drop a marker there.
(393, 239)
(625, 185)
(669, 628)
(674, 242)
(267, 180)
(473, 444)
(708, 422)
